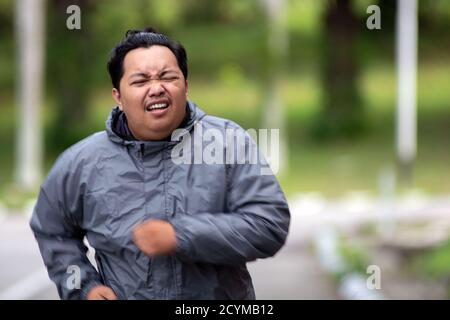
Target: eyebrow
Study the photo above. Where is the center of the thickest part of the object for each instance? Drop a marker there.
(138, 74)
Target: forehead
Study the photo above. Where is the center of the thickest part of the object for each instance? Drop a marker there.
(154, 58)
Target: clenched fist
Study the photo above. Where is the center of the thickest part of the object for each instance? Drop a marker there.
(155, 237)
(101, 293)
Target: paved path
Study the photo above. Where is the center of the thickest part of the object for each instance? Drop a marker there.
(22, 272)
(293, 274)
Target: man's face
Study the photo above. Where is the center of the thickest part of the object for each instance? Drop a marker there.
(152, 93)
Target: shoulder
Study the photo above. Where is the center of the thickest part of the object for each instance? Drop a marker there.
(213, 122)
(82, 152)
(91, 144)
(228, 129)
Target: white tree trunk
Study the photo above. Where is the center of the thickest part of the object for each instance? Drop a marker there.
(406, 56)
(30, 44)
(273, 116)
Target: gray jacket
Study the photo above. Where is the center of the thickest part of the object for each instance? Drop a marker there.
(224, 215)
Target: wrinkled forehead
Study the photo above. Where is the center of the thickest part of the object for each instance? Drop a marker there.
(151, 60)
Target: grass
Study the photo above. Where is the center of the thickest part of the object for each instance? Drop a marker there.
(331, 168)
(433, 265)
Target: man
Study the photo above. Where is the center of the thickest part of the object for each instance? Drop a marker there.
(161, 228)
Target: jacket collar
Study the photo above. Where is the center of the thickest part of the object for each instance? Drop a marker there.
(118, 132)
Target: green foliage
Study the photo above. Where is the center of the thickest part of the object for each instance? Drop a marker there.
(220, 44)
(434, 14)
(231, 75)
(15, 199)
(305, 16)
(168, 13)
(7, 47)
(201, 12)
(354, 256)
(228, 57)
(435, 264)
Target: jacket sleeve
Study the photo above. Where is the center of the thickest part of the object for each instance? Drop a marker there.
(55, 226)
(256, 225)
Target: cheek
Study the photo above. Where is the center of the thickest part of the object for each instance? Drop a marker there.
(179, 93)
(134, 99)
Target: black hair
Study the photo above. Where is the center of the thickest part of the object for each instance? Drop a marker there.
(143, 39)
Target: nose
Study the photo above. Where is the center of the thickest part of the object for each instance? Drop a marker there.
(156, 89)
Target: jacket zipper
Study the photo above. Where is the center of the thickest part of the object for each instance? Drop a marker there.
(142, 150)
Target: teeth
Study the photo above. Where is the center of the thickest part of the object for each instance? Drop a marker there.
(157, 106)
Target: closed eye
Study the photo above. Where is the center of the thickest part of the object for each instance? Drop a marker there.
(139, 81)
(169, 78)
(164, 78)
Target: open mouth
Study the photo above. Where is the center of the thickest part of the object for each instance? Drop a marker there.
(156, 107)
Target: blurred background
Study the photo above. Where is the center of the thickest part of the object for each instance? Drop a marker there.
(360, 94)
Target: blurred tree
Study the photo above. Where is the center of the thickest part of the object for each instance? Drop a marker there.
(434, 15)
(7, 44)
(166, 14)
(69, 75)
(202, 11)
(277, 46)
(108, 24)
(30, 39)
(342, 110)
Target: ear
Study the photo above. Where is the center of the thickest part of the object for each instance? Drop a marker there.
(116, 96)
(187, 87)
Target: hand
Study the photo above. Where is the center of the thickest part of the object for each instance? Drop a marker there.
(155, 237)
(101, 293)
